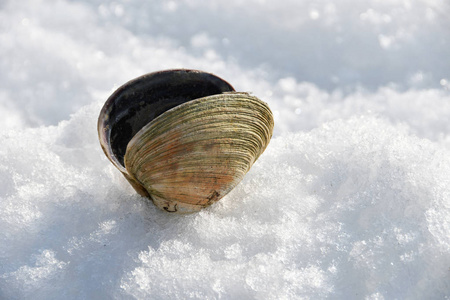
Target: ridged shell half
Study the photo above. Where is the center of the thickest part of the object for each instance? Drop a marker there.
(195, 153)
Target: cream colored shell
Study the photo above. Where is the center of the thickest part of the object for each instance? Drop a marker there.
(195, 153)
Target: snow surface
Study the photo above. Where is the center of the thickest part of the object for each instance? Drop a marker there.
(351, 200)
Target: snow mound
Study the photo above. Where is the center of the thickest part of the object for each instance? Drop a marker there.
(350, 200)
(353, 207)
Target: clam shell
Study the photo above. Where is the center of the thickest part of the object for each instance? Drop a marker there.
(183, 138)
(194, 154)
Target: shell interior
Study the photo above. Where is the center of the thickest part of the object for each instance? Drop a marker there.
(139, 101)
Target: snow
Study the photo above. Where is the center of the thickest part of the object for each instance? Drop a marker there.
(351, 200)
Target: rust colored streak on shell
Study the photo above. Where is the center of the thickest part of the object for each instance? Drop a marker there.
(213, 198)
(167, 208)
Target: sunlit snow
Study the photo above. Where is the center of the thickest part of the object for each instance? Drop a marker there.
(351, 200)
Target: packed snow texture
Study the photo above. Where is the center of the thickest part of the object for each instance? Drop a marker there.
(351, 200)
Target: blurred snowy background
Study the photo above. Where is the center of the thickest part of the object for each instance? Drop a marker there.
(351, 200)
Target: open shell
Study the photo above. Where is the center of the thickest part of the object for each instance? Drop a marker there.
(183, 138)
